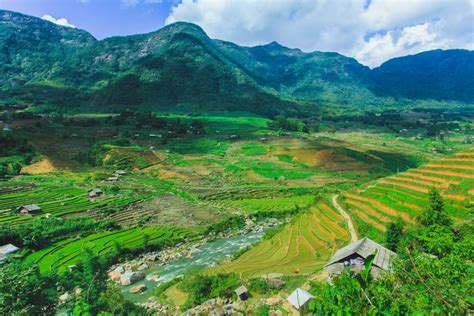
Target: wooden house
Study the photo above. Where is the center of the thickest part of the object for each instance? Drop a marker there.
(353, 257)
(29, 209)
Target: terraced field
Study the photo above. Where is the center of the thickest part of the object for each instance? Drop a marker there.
(68, 252)
(303, 246)
(404, 195)
(53, 200)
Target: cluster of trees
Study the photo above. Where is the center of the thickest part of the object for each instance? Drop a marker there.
(24, 291)
(432, 273)
(42, 232)
(11, 145)
(281, 122)
(202, 287)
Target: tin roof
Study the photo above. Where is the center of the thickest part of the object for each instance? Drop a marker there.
(299, 297)
(31, 207)
(241, 290)
(364, 248)
(7, 249)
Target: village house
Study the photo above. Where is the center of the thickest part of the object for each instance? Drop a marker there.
(29, 209)
(242, 293)
(6, 250)
(299, 299)
(95, 193)
(353, 257)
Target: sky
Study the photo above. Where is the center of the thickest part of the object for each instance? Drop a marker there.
(372, 31)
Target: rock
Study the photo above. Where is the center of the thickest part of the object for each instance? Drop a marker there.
(114, 275)
(143, 266)
(63, 298)
(119, 269)
(130, 277)
(153, 277)
(78, 291)
(138, 289)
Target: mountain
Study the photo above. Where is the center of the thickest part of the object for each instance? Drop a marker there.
(180, 68)
(437, 74)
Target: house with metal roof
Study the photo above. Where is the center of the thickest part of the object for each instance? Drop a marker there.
(29, 209)
(242, 292)
(353, 256)
(95, 193)
(299, 299)
(6, 250)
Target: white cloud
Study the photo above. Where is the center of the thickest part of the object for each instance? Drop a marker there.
(60, 21)
(373, 34)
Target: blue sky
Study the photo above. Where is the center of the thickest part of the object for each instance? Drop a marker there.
(102, 18)
(372, 31)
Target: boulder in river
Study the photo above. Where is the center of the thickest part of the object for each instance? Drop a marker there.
(114, 275)
(131, 277)
(138, 289)
(143, 266)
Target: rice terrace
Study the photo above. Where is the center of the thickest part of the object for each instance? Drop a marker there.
(175, 172)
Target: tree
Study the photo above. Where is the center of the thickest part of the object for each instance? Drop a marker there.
(435, 213)
(394, 234)
(24, 291)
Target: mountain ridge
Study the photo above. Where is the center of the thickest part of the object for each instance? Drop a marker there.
(179, 67)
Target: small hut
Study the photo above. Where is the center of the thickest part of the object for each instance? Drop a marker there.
(242, 292)
(353, 256)
(299, 299)
(95, 193)
(6, 250)
(29, 209)
(120, 173)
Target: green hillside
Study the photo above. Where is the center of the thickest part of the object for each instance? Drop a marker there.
(180, 68)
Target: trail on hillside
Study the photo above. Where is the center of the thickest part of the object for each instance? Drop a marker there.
(346, 217)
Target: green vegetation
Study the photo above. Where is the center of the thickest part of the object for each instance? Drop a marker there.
(432, 274)
(204, 287)
(190, 72)
(68, 252)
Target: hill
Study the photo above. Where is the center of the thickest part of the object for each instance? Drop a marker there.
(317, 233)
(438, 74)
(180, 68)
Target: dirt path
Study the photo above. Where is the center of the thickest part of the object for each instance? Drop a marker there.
(347, 218)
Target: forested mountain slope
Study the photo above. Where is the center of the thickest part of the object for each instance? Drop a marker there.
(180, 68)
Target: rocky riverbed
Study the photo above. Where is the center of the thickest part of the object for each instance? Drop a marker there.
(138, 277)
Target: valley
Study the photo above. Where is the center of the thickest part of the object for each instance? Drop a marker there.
(173, 173)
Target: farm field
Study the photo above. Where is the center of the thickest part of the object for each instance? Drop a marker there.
(301, 247)
(68, 252)
(405, 195)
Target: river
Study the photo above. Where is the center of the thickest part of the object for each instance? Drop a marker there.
(208, 255)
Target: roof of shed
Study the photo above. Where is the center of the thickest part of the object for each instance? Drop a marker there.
(299, 297)
(7, 249)
(241, 290)
(364, 248)
(31, 207)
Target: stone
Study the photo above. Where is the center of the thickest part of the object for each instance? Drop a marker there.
(130, 277)
(114, 275)
(153, 277)
(119, 269)
(143, 266)
(138, 289)
(63, 298)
